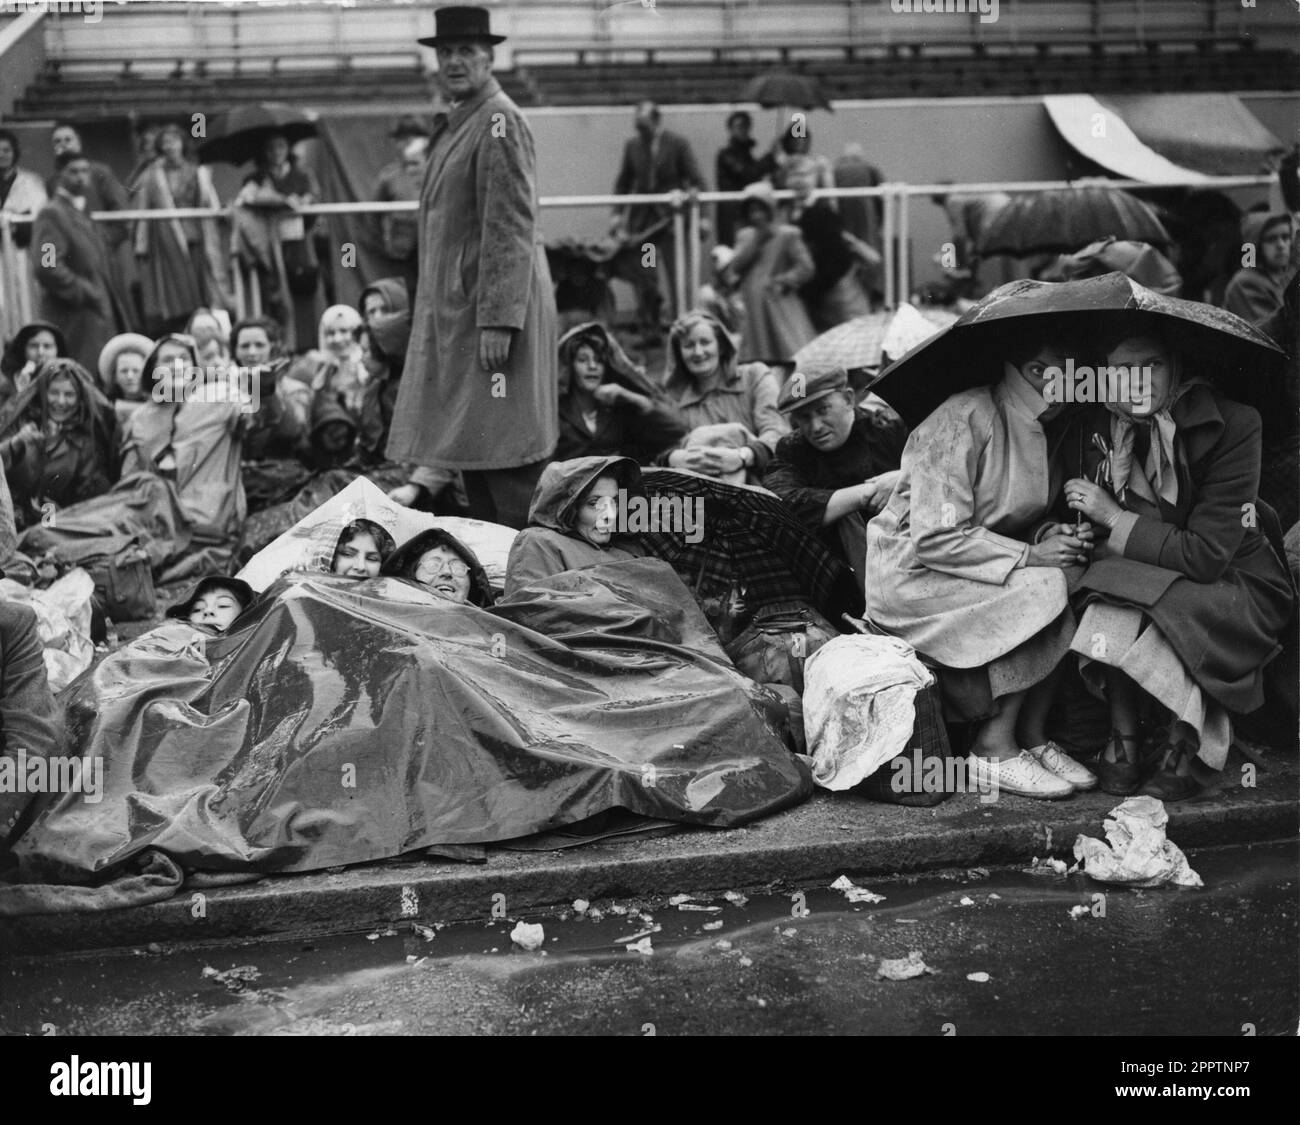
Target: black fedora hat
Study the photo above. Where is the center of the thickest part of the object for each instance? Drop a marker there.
(461, 23)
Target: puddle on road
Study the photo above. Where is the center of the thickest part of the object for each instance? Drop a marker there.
(802, 960)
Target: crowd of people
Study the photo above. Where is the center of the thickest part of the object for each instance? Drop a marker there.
(1000, 536)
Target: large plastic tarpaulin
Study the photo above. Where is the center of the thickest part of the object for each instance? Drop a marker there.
(341, 722)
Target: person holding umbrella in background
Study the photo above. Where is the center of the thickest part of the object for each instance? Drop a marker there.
(271, 241)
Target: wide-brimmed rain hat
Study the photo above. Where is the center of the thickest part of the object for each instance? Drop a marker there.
(1213, 342)
(126, 342)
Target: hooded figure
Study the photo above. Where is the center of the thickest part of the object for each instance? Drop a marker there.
(625, 414)
(555, 539)
(405, 561)
(54, 457)
(333, 431)
(1255, 292)
(195, 443)
(240, 590)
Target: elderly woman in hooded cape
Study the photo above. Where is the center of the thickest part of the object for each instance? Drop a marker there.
(573, 520)
(58, 441)
(439, 562)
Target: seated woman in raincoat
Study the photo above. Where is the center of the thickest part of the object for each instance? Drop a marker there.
(58, 442)
(609, 407)
(1187, 600)
(730, 408)
(573, 520)
(965, 565)
(190, 433)
(442, 564)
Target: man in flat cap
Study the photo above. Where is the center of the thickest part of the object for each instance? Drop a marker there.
(479, 391)
(838, 468)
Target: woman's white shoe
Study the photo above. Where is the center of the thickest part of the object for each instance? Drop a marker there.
(1052, 758)
(1022, 775)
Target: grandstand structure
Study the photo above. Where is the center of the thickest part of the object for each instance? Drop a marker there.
(141, 58)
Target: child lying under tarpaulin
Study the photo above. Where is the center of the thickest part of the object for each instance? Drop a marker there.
(289, 743)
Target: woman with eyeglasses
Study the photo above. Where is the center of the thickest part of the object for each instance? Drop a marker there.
(443, 565)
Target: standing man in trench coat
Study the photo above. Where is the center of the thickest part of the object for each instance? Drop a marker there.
(479, 392)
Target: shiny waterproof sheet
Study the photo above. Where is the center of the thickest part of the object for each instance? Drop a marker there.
(343, 721)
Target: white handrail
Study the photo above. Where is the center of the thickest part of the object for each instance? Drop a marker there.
(687, 228)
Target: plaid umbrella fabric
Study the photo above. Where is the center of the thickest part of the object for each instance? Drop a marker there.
(751, 540)
(861, 342)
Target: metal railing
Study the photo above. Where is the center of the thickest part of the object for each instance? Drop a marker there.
(687, 227)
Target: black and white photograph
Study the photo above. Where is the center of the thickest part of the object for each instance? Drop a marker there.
(651, 518)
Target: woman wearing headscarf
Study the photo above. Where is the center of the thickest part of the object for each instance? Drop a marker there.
(31, 346)
(181, 263)
(442, 564)
(573, 520)
(607, 405)
(965, 564)
(770, 265)
(1187, 600)
(191, 435)
(334, 367)
(729, 408)
(58, 442)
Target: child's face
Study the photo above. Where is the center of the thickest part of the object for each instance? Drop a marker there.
(217, 608)
(338, 337)
(598, 511)
(588, 370)
(358, 558)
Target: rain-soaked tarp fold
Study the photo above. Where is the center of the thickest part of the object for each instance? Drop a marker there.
(341, 722)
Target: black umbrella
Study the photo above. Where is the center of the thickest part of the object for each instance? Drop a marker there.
(969, 353)
(781, 88)
(1063, 221)
(750, 542)
(239, 135)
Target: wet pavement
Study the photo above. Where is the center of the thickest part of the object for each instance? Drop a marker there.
(1166, 961)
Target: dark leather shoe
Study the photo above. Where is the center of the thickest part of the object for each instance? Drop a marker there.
(1120, 779)
(1169, 786)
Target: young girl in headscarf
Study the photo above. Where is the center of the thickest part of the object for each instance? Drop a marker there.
(337, 367)
(1187, 599)
(58, 441)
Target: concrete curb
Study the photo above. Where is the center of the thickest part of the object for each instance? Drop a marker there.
(830, 835)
